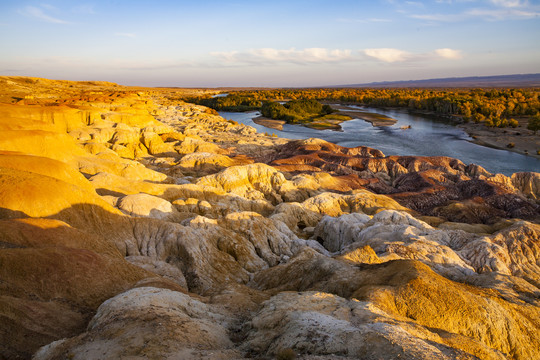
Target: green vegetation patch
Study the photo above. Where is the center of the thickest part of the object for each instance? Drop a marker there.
(231, 102)
(303, 111)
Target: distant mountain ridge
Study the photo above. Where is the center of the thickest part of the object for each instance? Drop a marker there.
(516, 80)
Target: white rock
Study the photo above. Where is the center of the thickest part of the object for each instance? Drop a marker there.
(158, 323)
(144, 205)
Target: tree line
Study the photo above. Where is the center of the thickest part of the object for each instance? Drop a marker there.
(492, 107)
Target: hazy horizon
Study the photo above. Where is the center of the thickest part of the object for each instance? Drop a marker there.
(282, 43)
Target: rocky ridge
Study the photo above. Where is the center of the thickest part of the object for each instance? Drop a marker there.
(136, 225)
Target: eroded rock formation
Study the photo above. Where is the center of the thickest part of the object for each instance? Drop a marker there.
(133, 224)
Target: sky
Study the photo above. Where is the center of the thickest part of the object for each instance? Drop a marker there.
(277, 43)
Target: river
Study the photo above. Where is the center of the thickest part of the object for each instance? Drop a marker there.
(428, 136)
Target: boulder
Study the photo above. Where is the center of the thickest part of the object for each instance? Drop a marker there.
(528, 183)
(144, 205)
(155, 322)
(326, 325)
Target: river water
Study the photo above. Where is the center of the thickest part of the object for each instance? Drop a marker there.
(428, 136)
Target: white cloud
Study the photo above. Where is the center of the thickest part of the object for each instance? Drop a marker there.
(438, 17)
(370, 20)
(48, 6)
(269, 55)
(38, 13)
(388, 55)
(129, 35)
(454, 1)
(448, 54)
(493, 10)
(502, 14)
(414, 3)
(87, 9)
(509, 3)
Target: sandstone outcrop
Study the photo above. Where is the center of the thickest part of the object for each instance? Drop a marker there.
(53, 278)
(528, 184)
(322, 324)
(408, 290)
(434, 186)
(144, 205)
(128, 325)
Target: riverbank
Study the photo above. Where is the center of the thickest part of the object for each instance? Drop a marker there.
(373, 118)
(427, 137)
(327, 123)
(269, 123)
(518, 140)
(323, 123)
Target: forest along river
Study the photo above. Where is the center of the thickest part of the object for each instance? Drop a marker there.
(428, 136)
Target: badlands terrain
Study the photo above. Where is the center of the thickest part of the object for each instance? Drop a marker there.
(134, 225)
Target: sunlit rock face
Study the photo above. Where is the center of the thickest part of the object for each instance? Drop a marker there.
(186, 328)
(134, 224)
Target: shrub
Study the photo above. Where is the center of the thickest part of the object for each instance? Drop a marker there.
(327, 109)
(211, 111)
(513, 123)
(502, 123)
(478, 117)
(534, 123)
(286, 354)
(274, 110)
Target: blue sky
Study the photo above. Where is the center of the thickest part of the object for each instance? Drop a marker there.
(267, 43)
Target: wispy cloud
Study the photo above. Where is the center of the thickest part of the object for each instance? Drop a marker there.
(128, 35)
(388, 55)
(438, 17)
(502, 14)
(369, 20)
(454, 1)
(48, 6)
(510, 3)
(87, 9)
(268, 55)
(414, 3)
(39, 13)
(449, 54)
(493, 10)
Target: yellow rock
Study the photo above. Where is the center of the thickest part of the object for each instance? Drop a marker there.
(24, 194)
(48, 144)
(55, 118)
(361, 255)
(44, 166)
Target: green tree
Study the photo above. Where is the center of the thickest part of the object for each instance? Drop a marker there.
(513, 123)
(478, 117)
(273, 110)
(327, 109)
(534, 123)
